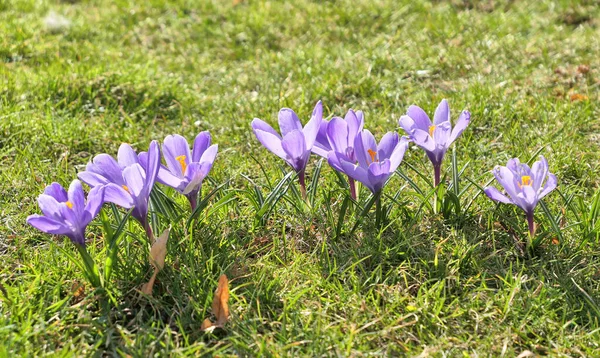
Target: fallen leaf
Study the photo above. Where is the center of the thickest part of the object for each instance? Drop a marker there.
(158, 252)
(583, 69)
(220, 308)
(575, 97)
(555, 241)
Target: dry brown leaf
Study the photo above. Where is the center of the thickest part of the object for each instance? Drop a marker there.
(220, 308)
(158, 252)
(578, 97)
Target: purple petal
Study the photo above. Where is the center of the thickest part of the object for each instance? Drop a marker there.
(107, 166)
(539, 171)
(201, 142)
(116, 194)
(50, 207)
(76, 197)
(496, 195)
(334, 161)
(398, 154)
(95, 199)
(48, 225)
(195, 174)
(288, 121)
(337, 134)
(321, 146)
(419, 136)
(311, 129)
(56, 191)
(356, 172)
(378, 173)
(177, 153)
(268, 139)
(442, 113)
(355, 124)
(387, 145)
(420, 118)
(153, 166)
(550, 185)
(441, 135)
(294, 146)
(463, 121)
(209, 155)
(92, 179)
(264, 126)
(165, 177)
(528, 199)
(135, 178)
(506, 178)
(364, 146)
(126, 155)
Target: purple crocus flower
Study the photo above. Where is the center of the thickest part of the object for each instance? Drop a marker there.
(186, 169)
(338, 135)
(128, 181)
(525, 187)
(67, 213)
(434, 137)
(375, 163)
(295, 143)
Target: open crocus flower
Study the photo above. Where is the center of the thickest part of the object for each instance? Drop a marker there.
(186, 169)
(67, 213)
(435, 138)
(295, 143)
(525, 187)
(374, 163)
(128, 181)
(338, 135)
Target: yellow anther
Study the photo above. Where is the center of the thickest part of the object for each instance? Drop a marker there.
(525, 180)
(126, 188)
(69, 204)
(373, 155)
(431, 130)
(181, 160)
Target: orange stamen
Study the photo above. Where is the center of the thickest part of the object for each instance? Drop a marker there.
(431, 130)
(525, 180)
(69, 204)
(126, 188)
(181, 160)
(373, 155)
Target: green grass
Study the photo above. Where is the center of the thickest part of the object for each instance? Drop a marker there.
(441, 285)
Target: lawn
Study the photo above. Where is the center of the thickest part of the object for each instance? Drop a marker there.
(78, 78)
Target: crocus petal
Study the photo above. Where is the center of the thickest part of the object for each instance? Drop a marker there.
(294, 146)
(135, 178)
(311, 129)
(76, 197)
(364, 145)
(539, 171)
(50, 207)
(398, 153)
(356, 172)
(513, 165)
(56, 191)
(95, 199)
(201, 142)
(153, 165)
(209, 155)
(442, 113)
(529, 198)
(288, 121)
(116, 194)
(420, 118)
(387, 144)
(337, 134)
(270, 140)
(496, 195)
(264, 126)
(334, 161)
(378, 173)
(321, 146)
(506, 178)
(126, 155)
(165, 177)
(419, 136)
(463, 121)
(48, 225)
(108, 167)
(92, 179)
(355, 124)
(550, 185)
(177, 153)
(195, 174)
(442, 134)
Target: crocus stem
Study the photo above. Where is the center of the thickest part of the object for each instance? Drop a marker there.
(149, 233)
(437, 169)
(378, 210)
(531, 224)
(302, 184)
(193, 199)
(352, 185)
